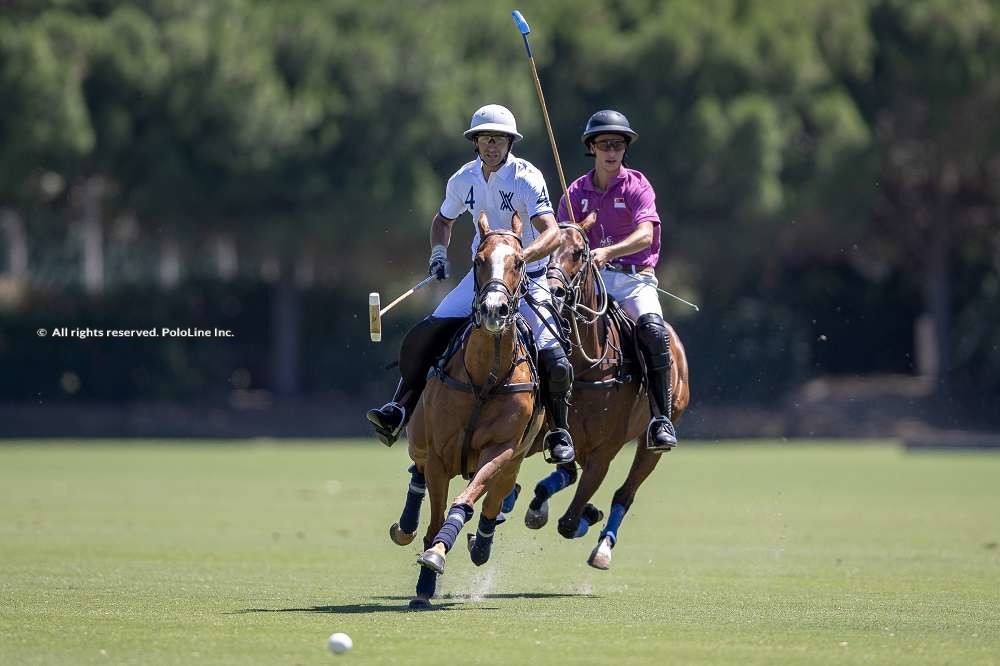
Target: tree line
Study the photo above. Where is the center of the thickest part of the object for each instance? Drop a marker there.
(828, 172)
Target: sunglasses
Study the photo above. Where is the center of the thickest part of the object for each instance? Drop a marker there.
(608, 145)
(497, 139)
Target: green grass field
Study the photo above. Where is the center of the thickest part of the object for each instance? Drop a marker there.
(254, 552)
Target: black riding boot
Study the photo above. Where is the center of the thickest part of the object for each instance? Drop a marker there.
(654, 341)
(557, 382)
(390, 418)
(421, 346)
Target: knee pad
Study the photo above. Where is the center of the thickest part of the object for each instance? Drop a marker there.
(557, 369)
(654, 340)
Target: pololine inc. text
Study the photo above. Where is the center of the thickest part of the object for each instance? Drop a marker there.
(83, 333)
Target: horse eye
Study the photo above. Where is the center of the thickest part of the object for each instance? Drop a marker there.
(577, 255)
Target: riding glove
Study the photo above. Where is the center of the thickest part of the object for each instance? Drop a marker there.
(439, 266)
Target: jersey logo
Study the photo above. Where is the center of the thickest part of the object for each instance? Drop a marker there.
(619, 202)
(543, 199)
(507, 203)
(470, 200)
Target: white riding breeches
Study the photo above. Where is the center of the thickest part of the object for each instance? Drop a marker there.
(458, 303)
(635, 293)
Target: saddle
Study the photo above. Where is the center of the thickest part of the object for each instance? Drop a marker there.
(630, 365)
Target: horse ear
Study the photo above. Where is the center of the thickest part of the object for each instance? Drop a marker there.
(588, 221)
(483, 224)
(515, 223)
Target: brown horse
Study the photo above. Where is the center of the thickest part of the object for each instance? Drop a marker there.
(477, 416)
(609, 406)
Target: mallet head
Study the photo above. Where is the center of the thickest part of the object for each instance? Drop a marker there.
(375, 316)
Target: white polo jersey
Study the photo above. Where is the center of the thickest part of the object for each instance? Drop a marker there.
(517, 185)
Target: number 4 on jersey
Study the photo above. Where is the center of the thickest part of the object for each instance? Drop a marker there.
(470, 200)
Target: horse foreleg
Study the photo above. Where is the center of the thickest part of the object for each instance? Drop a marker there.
(437, 487)
(491, 462)
(537, 514)
(643, 464)
(403, 532)
(498, 493)
(580, 515)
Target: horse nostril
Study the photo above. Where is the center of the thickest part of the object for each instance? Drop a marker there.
(503, 310)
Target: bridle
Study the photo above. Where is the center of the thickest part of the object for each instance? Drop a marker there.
(571, 286)
(511, 298)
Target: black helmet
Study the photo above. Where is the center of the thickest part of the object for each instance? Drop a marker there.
(608, 122)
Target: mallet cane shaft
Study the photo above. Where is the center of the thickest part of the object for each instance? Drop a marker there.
(522, 25)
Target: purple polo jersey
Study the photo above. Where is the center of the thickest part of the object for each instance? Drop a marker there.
(629, 200)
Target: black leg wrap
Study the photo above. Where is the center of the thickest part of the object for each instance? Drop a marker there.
(458, 516)
(568, 525)
(623, 498)
(426, 582)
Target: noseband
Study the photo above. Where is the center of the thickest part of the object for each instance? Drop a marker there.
(497, 285)
(570, 286)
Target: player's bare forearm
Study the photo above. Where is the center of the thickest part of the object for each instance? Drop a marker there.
(547, 240)
(441, 230)
(637, 241)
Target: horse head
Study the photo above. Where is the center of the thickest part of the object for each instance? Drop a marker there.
(499, 272)
(567, 266)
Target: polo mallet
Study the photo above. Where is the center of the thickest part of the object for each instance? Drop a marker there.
(662, 291)
(375, 312)
(522, 25)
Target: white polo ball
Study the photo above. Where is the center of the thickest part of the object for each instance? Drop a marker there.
(339, 643)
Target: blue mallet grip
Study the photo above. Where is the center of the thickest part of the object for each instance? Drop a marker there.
(522, 25)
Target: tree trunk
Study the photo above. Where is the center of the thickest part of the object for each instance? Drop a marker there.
(937, 298)
(286, 330)
(17, 244)
(92, 235)
(170, 263)
(226, 257)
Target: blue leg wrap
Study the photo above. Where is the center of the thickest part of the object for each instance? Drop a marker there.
(426, 582)
(410, 518)
(508, 502)
(458, 516)
(614, 522)
(582, 528)
(550, 485)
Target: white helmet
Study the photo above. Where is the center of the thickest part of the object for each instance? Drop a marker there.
(493, 118)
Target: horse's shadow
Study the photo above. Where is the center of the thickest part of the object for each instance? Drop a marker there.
(442, 603)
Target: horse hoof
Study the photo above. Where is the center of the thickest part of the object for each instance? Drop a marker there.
(399, 537)
(419, 603)
(600, 557)
(535, 520)
(433, 560)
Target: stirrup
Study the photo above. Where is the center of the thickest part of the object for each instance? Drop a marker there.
(547, 453)
(385, 434)
(668, 426)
